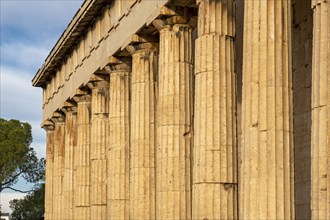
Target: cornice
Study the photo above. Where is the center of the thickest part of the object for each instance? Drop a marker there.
(78, 25)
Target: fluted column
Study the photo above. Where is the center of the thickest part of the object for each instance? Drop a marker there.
(70, 148)
(174, 121)
(49, 172)
(99, 143)
(82, 159)
(58, 168)
(142, 138)
(118, 149)
(215, 146)
(267, 138)
(320, 110)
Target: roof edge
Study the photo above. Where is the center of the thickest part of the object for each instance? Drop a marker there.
(76, 20)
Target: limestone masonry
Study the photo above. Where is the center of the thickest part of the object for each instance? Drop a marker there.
(185, 109)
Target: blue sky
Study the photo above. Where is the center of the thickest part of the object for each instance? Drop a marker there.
(29, 30)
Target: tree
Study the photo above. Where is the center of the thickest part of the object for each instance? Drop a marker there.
(31, 207)
(17, 159)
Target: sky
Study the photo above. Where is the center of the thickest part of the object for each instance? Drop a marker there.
(29, 30)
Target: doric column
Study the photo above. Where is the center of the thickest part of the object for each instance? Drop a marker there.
(174, 119)
(49, 171)
(321, 110)
(58, 168)
(82, 159)
(142, 138)
(267, 130)
(215, 146)
(70, 148)
(99, 143)
(118, 149)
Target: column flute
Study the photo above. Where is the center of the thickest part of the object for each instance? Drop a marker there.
(142, 138)
(267, 121)
(118, 149)
(215, 142)
(320, 110)
(174, 118)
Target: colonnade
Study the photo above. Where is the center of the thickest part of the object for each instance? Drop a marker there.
(153, 135)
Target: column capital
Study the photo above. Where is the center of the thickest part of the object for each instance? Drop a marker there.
(58, 117)
(82, 98)
(117, 64)
(139, 39)
(173, 22)
(98, 78)
(98, 82)
(69, 110)
(184, 8)
(48, 125)
(134, 48)
(69, 106)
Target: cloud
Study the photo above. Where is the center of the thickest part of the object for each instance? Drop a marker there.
(29, 29)
(18, 98)
(53, 13)
(6, 197)
(37, 18)
(23, 56)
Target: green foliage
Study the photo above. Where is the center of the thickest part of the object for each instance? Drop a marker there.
(17, 159)
(31, 207)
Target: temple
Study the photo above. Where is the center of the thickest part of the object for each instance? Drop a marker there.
(185, 109)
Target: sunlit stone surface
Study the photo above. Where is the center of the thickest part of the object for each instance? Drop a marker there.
(207, 109)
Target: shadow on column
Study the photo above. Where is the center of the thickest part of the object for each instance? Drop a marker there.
(238, 70)
(302, 38)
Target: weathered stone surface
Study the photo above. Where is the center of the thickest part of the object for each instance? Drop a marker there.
(176, 139)
(99, 143)
(142, 138)
(49, 207)
(82, 159)
(320, 110)
(174, 123)
(58, 168)
(70, 149)
(118, 149)
(267, 134)
(215, 154)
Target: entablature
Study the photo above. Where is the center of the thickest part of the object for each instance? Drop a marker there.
(115, 25)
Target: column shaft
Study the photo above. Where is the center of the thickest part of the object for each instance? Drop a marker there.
(267, 129)
(49, 175)
(118, 152)
(174, 120)
(99, 142)
(142, 141)
(70, 147)
(215, 144)
(82, 160)
(59, 147)
(321, 110)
